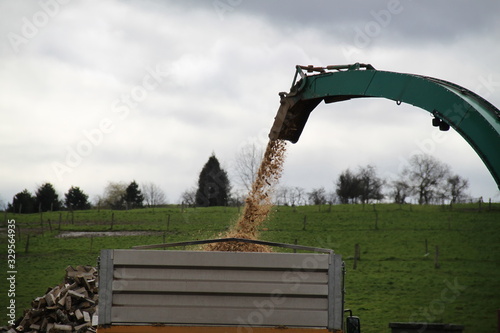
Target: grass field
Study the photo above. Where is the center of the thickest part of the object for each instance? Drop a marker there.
(395, 279)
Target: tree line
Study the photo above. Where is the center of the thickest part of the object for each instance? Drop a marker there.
(117, 195)
(425, 179)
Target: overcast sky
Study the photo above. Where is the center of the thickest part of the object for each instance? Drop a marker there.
(99, 91)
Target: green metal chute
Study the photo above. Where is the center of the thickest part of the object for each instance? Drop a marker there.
(473, 117)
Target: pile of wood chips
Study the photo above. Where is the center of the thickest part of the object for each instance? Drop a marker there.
(234, 246)
(68, 307)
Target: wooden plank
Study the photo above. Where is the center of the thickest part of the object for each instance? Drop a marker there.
(211, 274)
(217, 287)
(253, 301)
(221, 316)
(221, 259)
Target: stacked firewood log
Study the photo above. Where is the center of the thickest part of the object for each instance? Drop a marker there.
(68, 307)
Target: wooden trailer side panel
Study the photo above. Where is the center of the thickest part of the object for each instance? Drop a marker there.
(206, 289)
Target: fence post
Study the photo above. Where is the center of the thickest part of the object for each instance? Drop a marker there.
(436, 258)
(27, 244)
(356, 256)
(305, 222)
(18, 233)
(498, 315)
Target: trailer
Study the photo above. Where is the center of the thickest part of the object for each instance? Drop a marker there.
(179, 291)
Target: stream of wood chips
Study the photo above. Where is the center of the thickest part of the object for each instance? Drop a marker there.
(258, 204)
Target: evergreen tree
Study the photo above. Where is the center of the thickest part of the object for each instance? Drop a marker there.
(47, 199)
(133, 196)
(213, 185)
(23, 202)
(76, 199)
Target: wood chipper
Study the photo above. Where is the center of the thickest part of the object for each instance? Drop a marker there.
(172, 291)
(451, 105)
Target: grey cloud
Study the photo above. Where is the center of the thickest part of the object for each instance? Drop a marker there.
(222, 87)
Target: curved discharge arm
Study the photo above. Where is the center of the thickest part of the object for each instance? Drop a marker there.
(473, 117)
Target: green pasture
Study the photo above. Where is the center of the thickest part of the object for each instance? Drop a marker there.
(397, 276)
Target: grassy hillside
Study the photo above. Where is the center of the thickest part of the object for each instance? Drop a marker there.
(395, 279)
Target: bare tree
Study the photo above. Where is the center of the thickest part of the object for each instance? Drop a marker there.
(370, 185)
(317, 196)
(400, 191)
(98, 201)
(247, 164)
(301, 195)
(282, 195)
(188, 197)
(332, 197)
(455, 189)
(296, 195)
(153, 194)
(237, 198)
(426, 176)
